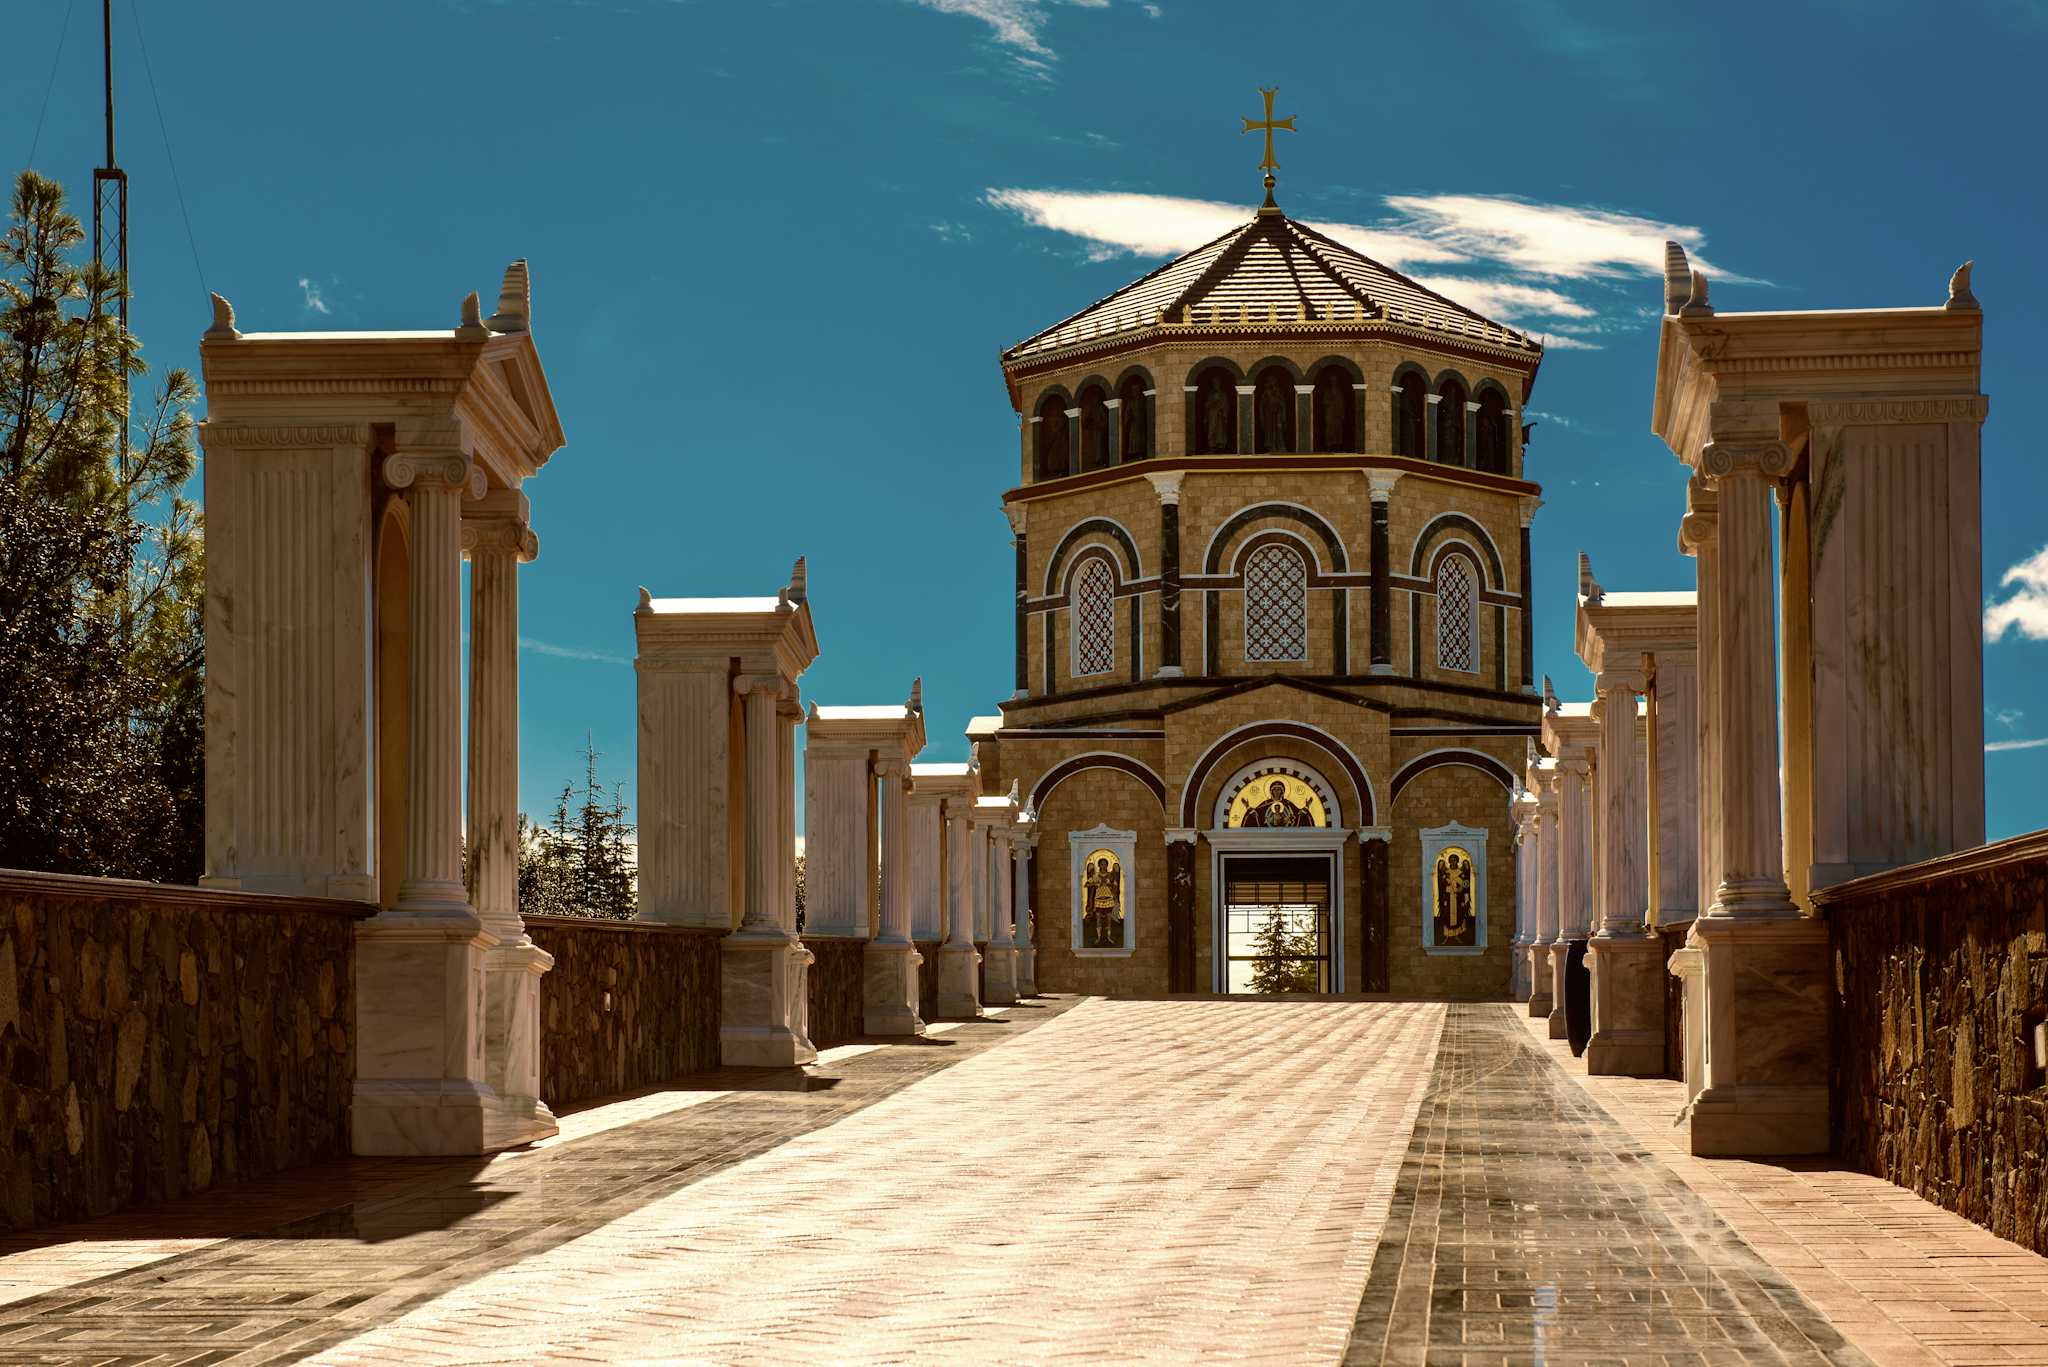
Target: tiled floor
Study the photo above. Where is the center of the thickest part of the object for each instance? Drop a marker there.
(1528, 1226)
(1907, 1282)
(1128, 1181)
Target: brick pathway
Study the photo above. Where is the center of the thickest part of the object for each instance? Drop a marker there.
(1909, 1283)
(1528, 1226)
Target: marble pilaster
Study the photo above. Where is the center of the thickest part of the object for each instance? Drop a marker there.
(994, 818)
(959, 960)
(1023, 844)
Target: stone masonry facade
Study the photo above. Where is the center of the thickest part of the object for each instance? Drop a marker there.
(628, 1004)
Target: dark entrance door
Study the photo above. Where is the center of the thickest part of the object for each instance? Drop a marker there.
(1276, 918)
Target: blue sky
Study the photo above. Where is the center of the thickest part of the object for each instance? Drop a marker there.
(777, 246)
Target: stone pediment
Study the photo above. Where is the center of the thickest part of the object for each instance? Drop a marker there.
(1241, 687)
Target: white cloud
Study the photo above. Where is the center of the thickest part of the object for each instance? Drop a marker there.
(1542, 416)
(2007, 717)
(2027, 609)
(1562, 341)
(1018, 24)
(2035, 744)
(571, 652)
(314, 303)
(1509, 254)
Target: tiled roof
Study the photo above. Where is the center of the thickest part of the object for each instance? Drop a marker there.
(1270, 270)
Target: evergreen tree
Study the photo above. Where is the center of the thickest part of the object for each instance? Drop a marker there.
(582, 863)
(101, 658)
(1284, 960)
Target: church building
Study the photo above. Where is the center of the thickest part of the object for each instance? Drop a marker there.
(1273, 667)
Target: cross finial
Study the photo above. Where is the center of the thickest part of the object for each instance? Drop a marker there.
(1267, 125)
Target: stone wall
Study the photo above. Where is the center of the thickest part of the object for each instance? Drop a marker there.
(628, 1005)
(837, 989)
(159, 1040)
(1941, 974)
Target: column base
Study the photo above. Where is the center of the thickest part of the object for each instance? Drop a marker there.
(764, 1014)
(1764, 984)
(1628, 1005)
(420, 999)
(424, 1118)
(512, 972)
(959, 982)
(889, 985)
(1539, 982)
(1027, 972)
(1000, 975)
(1557, 953)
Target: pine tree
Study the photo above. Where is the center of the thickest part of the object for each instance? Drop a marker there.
(582, 862)
(101, 656)
(1284, 959)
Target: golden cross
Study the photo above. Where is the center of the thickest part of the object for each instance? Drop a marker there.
(1268, 124)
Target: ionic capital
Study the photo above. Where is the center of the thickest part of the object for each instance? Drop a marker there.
(746, 685)
(500, 535)
(892, 766)
(450, 471)
(1619, 681)
(1167, 486)
(1767, 459)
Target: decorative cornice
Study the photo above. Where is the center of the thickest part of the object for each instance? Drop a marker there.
(337, 434)
(1956, 408)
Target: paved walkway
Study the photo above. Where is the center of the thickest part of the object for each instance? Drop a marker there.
(1102, 1181)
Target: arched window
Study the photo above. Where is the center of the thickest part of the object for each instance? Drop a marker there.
(1094, 612)
(1457, 611)
(1137, 432)
(1411, 414)
(1215, 431)
(1275, 604)
(1052, 437)
(1450, 424)
(1490, 436)
(1094, 429)
(1332, 407)
(1273, 411)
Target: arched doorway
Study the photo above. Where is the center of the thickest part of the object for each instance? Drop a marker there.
(1278, 843)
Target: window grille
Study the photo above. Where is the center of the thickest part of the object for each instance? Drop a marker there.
(1275, 605)
(1457, 635)
(1094, 619)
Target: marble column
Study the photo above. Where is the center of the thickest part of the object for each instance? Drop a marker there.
(764, 997)
(1542, 978)
(959, 960)
(1765, 1045)
(497, 543)
(420, 1072)
(1023, 841)
(1525, 896)
(1574, 865)
(1167, 486)
(1380, 484)
(1375, 844)
(1624, 958)
(890, 959)
(1180, 909)
(1002, 947)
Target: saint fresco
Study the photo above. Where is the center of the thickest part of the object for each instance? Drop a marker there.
(1276, 802)
(1454, 918)
(1102, 901)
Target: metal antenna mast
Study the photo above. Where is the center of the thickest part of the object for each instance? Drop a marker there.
(110, 210)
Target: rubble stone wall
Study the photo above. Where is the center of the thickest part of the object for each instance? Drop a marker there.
(1941, 976)
(159, 1040)
(628, 1005)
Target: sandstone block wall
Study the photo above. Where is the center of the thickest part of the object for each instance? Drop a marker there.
(628, 1004)
(838, 990)
(1941, 973)
(157, 1041)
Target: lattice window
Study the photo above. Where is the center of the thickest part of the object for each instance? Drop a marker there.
(1275, 605)
(1457, 611)
(1094, 610)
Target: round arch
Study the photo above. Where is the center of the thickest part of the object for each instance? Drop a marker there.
(1446, 522)
(1102, 526)
(1096, 759)
(1339, 753)
(1450, 755)
(1212, 557)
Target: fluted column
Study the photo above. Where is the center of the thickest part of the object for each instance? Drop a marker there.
(1002, 926)
(959, 961)
(1541, 978)
(1623, 816)
(895, 779)
(999, 979)
(1574, 869)
(758, 694)
(1023, 840)
(890, 961)
(498, 541)
(787, 714)
(1699, 536)
(434, 490)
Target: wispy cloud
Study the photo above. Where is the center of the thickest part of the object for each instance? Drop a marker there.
(2008, 717)
(314, 303)
(1542, 416)
(1512, 259)
(571, 652)
(952, 232)
(2025, 610)
(2036, 743)
(1019, 25)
